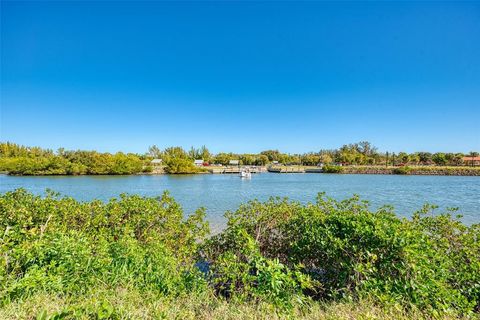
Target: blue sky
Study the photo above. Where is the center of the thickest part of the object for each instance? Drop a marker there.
(241, 76)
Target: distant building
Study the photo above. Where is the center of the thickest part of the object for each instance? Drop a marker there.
(198, 162)
(234, 162)
(156, 162)
(471, 160)
(275, 162)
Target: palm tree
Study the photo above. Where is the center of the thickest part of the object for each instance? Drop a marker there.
(473, 154)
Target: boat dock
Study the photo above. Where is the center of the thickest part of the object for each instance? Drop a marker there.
(294, 169)
(234, 170)
(286, 169)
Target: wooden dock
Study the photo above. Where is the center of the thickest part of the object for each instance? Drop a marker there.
(286, 169)
(234, 170)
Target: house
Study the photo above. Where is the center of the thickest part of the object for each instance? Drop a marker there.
(156, 162)
(275, 162)
(471, 161)
(234, 162)
(198, 162)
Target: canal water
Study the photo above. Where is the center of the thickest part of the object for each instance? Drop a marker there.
(219, 193)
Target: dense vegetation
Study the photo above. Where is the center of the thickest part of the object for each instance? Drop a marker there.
(137, 257)
(17, 159)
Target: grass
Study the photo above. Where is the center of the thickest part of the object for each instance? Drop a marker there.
(129, 303)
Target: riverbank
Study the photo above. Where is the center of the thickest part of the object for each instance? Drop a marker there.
(20, 160)
(397, 170)
(404, 170)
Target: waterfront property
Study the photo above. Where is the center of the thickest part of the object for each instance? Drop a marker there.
(472, 161)
(234, 162)
(156, 162)
(235, 169)
(286, 169)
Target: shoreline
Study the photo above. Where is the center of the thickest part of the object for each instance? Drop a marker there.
(364, 170)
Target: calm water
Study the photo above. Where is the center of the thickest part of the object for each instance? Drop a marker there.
(219, 193)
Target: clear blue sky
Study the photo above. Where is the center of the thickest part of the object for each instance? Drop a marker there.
(241, 76)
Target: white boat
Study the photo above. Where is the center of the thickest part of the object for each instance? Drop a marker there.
(245, 174)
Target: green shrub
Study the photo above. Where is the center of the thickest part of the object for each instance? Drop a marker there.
(279, 252)
(60, 245)
(332, 169)
(243, 273)
(352, 252)
(147, 169)
(180, 166)
(90, 163)
(402, 170)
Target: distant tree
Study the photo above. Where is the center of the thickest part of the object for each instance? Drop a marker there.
(261, 160)
(180, 166)
(273, 155)
(414, 158)
(175, 152)
(247, 159)
(223, 158)
(457, 159)
(424, 157)
(439, 159)
(366, 148)
(325, 158)
(154, 151)
(193, 153)
(205, 154)
(403, 157)
(310, 159)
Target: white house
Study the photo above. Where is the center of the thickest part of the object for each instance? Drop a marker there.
(198, 162)
(156, 162)
(234, 162)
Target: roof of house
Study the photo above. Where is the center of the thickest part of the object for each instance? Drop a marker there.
(156, 161)
(467, 158)
(234, 161)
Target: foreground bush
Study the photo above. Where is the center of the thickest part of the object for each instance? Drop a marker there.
(64, 246)
(135, 257)
(347, 251)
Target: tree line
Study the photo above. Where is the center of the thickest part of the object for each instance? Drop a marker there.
(18, 159)
(21, 160)
(361, 153)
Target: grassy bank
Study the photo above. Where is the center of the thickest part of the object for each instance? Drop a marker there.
(127, 303)
(138, 257)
